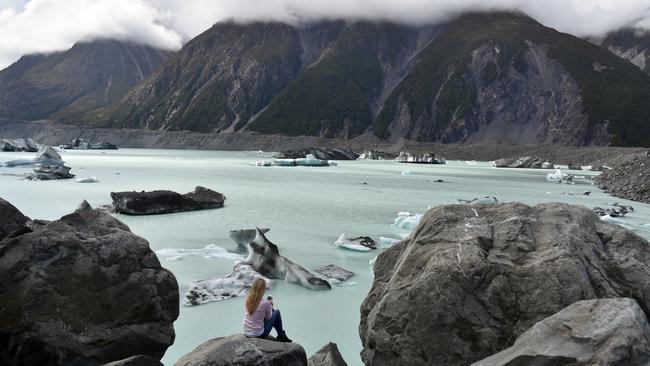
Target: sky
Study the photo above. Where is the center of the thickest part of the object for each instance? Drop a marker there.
(43, 26)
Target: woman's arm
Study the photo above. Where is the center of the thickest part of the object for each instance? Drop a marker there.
(268, 309)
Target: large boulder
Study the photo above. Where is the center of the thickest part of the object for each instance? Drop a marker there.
(605, 332)
(629, 178)
(319, 153)
(472, 278)
(329, 355)
(531, 162)
(162, 202)
(238, 350)
(11, 219)
(83, 290)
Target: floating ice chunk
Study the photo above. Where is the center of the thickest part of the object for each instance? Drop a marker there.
(87, 180)
(388, 241)
(614, 220)
(406, 221)
(346, 284)
(406, 172)
(233, 285)
(262, 163)
(360, 244)
(19, 162)
(209, 251)
(372, 262)
(470, 162)
(333, 163)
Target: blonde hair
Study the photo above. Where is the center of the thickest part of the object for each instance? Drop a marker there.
(255, 295)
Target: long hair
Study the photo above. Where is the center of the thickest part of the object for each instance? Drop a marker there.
(255, 295)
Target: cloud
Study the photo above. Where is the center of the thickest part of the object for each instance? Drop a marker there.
(29, 26)
(42, 26)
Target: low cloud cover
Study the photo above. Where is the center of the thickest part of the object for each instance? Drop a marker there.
(41, 26)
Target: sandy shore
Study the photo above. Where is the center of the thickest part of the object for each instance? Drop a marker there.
(54, 134)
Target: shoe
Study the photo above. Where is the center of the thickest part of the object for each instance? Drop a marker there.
(282, 337)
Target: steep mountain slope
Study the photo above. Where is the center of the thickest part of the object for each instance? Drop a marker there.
(219, 78)
(66, 84)
(507, 78)
(633, 45)
(482, 77)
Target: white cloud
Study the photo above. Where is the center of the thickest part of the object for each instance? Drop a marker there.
(43, 26)
(29, 26)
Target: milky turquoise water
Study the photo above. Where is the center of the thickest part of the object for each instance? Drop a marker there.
(305, 208)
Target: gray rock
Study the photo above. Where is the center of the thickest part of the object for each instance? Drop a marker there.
(83, 290)
(163, 202)
(530, 162)
(487, 273)
(334, 271)
(11, 219)
(329, 355)
(139, 360)
(238, 350)
(605, 332)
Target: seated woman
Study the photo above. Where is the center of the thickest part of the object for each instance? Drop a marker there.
(260, 317)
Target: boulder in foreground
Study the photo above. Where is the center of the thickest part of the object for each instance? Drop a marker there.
(486, 273)
(162, 202)
(238, 350)
(83, 290)
(604, 332)
(329, 355)
(11, 219)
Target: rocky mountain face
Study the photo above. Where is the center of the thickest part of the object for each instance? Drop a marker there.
(498, 77)
(65, 84)
(630, 44)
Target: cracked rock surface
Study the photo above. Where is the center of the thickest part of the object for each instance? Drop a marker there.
(474, 278)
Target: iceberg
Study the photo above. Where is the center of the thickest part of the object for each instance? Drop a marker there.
(406, 221)
(359, 244)
(209, 251)
(385, 241)
(87, 180)
(311, 160)
(233, 285)
(558, 177)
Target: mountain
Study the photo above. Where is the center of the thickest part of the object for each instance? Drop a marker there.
(499, 77)
(631, 44)
(66, 84)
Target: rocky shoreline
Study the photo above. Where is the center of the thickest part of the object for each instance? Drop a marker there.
(502, 284)
(629, 177)
(46, 132)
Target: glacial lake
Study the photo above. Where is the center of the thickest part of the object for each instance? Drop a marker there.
(305, 208)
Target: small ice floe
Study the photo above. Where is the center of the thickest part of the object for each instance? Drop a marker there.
(372, 262)
(260, 152)
(87, 180)
(284, 162)
(19, 162)
(385, 241)
(615, 220)
(338, 283)
(559, 177)
(406, 221)
(406, 172)
(359, 244)
(333, 163)
(209, 251)
(262, 163)
(311, 160)
(487, 200)
(470, 162)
